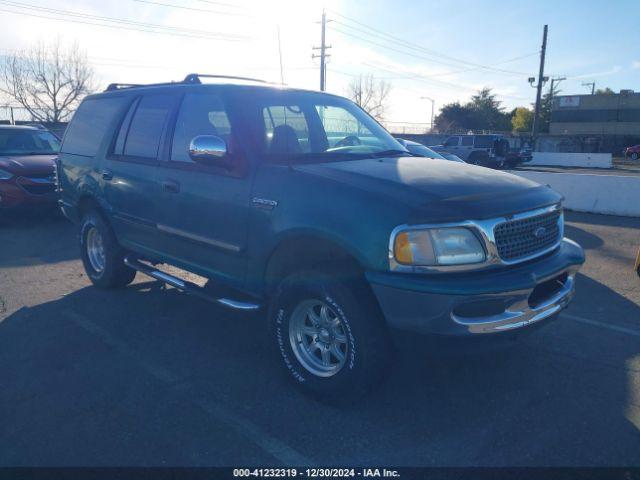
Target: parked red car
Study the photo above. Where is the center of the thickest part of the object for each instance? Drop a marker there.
(632, 152)
(27, 167)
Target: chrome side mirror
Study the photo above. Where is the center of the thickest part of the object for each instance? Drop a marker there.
(208, 149)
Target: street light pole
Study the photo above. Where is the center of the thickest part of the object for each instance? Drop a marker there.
(433, 108)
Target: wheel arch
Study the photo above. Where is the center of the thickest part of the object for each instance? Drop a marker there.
(307, 251)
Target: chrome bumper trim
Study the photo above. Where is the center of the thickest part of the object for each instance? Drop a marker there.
(519, 314)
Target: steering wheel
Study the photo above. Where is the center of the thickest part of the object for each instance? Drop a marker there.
(348, 141)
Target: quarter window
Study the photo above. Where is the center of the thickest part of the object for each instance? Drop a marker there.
(200, 114)
(89, 124)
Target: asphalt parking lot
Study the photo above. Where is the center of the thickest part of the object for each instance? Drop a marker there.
(149, 376)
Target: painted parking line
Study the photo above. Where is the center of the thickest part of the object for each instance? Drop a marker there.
(608, 326)
(271, 445)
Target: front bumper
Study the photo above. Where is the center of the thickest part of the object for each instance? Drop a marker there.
(14, 193)
(467, 304)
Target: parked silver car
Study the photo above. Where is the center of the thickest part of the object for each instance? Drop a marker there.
(485, 150)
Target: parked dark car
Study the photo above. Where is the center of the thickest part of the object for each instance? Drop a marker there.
(27, 167)
(632, 152)
(299, 203)
(421, 150)
(451, 157)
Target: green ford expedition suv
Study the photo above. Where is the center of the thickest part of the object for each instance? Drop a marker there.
(300, 204)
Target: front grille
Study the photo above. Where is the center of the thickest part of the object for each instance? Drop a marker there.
(526, 237)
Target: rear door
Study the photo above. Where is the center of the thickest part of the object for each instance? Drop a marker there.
(129, 171)
(203, 209)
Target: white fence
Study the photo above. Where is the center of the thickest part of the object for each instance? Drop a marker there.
(607, 194)
(587, 160)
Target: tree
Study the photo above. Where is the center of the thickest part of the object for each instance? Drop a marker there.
(604, 91)
(482, 112)
(48, 80)
(522, 119)
(370, 94)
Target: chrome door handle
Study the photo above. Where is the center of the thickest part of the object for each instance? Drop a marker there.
(107, 175)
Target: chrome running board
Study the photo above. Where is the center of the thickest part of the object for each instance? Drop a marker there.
(133, 261)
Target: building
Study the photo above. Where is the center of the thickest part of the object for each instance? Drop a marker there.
(615, 114)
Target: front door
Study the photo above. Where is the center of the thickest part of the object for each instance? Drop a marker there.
(204, 209)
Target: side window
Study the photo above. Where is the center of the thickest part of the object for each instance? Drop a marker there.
(339, 124)
(451, 142)
(118, 148)
(200, 114)
(467, 141)
(143, 139)
(91, 121)
(291, 115)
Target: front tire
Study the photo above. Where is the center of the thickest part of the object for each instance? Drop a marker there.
(330, 335)
(634, 156)
(102, 256)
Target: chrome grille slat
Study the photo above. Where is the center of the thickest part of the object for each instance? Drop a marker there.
(517, 239)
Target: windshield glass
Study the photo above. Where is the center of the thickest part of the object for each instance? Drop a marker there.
(28, 142)
(301, 127)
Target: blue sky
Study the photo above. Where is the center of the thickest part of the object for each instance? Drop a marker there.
(441, 48)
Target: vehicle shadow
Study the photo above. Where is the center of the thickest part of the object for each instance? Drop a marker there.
(127, 377)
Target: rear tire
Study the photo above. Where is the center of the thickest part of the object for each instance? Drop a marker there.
(634, 156)
(102, 256)
(330, 335)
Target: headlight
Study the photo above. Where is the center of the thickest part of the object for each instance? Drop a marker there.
(4, 175)
(438, 246)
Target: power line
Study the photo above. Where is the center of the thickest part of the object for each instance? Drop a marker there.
(111, 22)
(414, 55)
(420, 48)
(184, 7)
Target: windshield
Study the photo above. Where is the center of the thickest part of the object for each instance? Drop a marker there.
(28, 142)
(305, 126)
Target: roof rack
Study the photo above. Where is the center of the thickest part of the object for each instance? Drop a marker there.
(195, 78)
(192, 78)
(117, 86)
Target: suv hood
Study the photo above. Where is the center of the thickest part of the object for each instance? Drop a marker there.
(24, 165)
(438, 190)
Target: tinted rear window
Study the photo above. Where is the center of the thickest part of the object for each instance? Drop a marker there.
(89, 124)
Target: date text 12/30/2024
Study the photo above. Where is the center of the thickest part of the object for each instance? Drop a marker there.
(315, 473)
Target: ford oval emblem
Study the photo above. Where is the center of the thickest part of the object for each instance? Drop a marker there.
(539, 232)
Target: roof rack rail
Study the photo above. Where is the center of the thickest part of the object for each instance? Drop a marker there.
(117, 86)
(192, 78)
(195, 78)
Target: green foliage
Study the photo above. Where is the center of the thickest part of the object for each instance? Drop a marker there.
(522, 119)
(482, 112)
(604, 91)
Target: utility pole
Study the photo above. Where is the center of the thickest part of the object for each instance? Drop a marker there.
(541, 81)
(280, 55)
(433, 107)
(554, 81)
(323, 55)
(592, 85)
